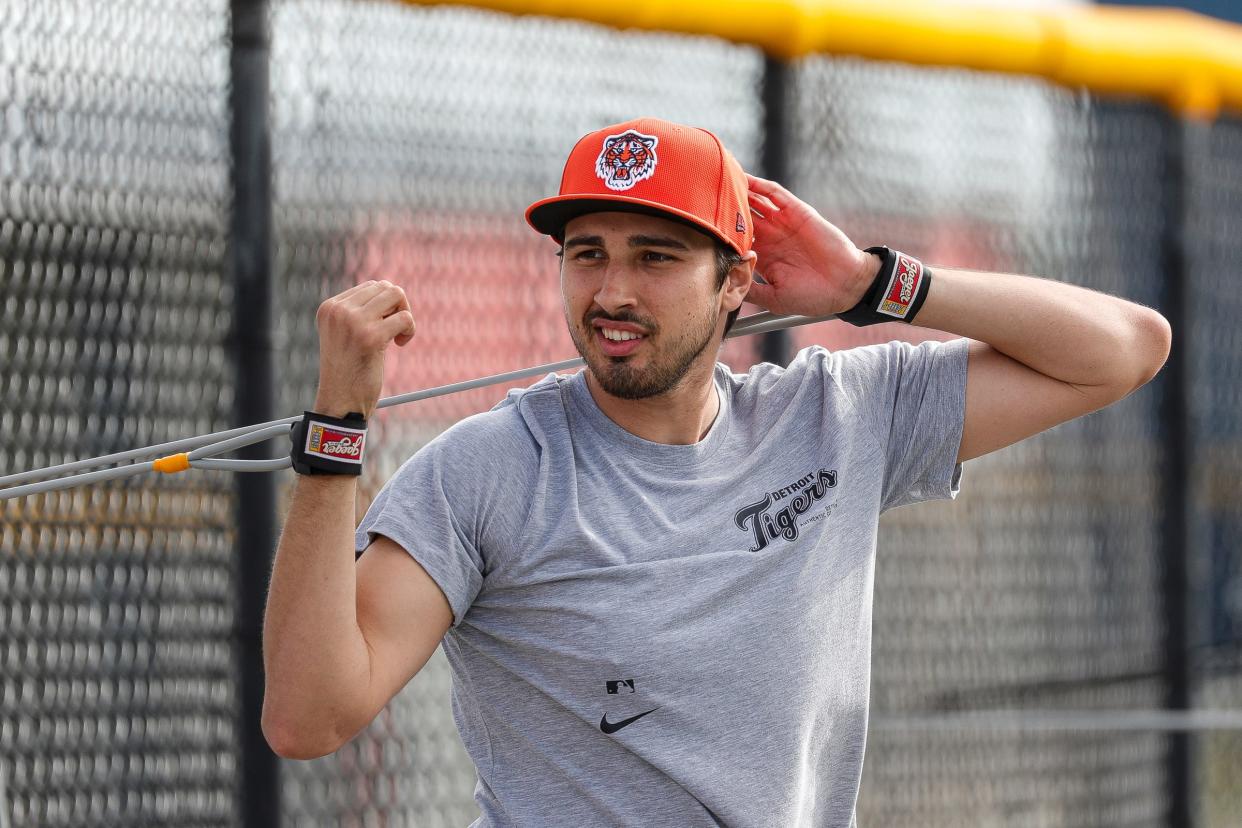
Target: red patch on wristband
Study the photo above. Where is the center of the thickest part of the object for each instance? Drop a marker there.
(337, 443)
(903, 286)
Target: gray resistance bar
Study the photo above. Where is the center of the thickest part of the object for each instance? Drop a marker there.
(222, 441)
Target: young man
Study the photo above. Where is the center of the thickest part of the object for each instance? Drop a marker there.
(653, 579)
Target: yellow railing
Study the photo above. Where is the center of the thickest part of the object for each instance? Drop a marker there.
(1187, 61)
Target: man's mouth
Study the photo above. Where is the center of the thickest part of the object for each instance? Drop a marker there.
(618, 341)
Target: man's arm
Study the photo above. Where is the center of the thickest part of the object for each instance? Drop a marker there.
(339, 638)
(1044, 352)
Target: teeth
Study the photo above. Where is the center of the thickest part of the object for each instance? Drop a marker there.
(619, 336)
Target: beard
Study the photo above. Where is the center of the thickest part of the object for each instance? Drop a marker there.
(668, 366)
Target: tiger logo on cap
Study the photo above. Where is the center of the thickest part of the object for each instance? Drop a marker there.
(626, 159)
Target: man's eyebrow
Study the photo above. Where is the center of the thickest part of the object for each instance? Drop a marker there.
(657, 241)
(584, 241)
(634, 241)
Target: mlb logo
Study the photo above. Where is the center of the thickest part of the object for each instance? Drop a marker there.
(621, 686)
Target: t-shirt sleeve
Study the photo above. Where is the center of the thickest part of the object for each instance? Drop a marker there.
(448, 504)
(913, 399)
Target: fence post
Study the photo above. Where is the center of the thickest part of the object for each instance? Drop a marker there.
(776, 346)
(4, 798)
(250, 254)
(1176, 478)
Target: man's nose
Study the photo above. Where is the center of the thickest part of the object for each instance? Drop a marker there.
(616, 288)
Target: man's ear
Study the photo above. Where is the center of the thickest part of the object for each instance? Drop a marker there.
(737, 283)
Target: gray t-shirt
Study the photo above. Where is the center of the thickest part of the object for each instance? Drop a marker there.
(648, 634)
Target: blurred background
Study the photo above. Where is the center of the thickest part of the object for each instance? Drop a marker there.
(182, 182)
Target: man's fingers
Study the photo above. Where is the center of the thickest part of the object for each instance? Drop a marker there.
(364, 293)
(771, 190)
(762, 204)
(384, 301)
(765, 228)
(399, 326)
(760, 294)
(370, 315)
(360, 294)
(347, 299)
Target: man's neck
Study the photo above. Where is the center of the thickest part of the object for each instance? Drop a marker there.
(680, 417)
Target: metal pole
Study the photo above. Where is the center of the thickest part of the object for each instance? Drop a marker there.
(250, 239)
(775, 347)
(1175, 425)
(4, 799)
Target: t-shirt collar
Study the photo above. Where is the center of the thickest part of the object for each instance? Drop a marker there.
(584, 405)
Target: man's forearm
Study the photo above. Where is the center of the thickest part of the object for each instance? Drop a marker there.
(315, 657)
(1070, 333)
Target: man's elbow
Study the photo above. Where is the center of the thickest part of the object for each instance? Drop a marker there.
(291, 739)
(1153, 341)
(1139, 352)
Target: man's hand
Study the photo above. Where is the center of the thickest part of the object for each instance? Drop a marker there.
(811, 267)
(355, 328)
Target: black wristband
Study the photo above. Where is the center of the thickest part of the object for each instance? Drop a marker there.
(328, 445)
(899, 290)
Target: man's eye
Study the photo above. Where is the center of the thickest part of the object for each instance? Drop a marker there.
(588, 255)
(653, 256)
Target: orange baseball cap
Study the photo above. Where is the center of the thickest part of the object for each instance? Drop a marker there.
(652, 166)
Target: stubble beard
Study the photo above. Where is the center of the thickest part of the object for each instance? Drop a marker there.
(618, 377)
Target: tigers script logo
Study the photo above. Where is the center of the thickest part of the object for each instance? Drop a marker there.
(791, 502)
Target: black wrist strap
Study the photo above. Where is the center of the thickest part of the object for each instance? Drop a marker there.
(899, 290)
(328, 445)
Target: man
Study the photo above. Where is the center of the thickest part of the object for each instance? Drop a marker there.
(653, 579)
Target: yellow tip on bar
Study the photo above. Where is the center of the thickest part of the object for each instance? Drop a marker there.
(172, 464)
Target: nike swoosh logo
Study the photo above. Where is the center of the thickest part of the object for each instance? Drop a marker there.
(613, 727)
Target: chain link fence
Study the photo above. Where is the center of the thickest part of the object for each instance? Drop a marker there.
(117, 677)
(1040, 587)
(405, 144)
(1216, 249)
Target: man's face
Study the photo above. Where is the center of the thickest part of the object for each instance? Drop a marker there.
(640, 299)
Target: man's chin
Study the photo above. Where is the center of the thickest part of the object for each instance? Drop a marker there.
(601, 362)
(620, 378)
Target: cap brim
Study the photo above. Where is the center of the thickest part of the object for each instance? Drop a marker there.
(550, 215)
